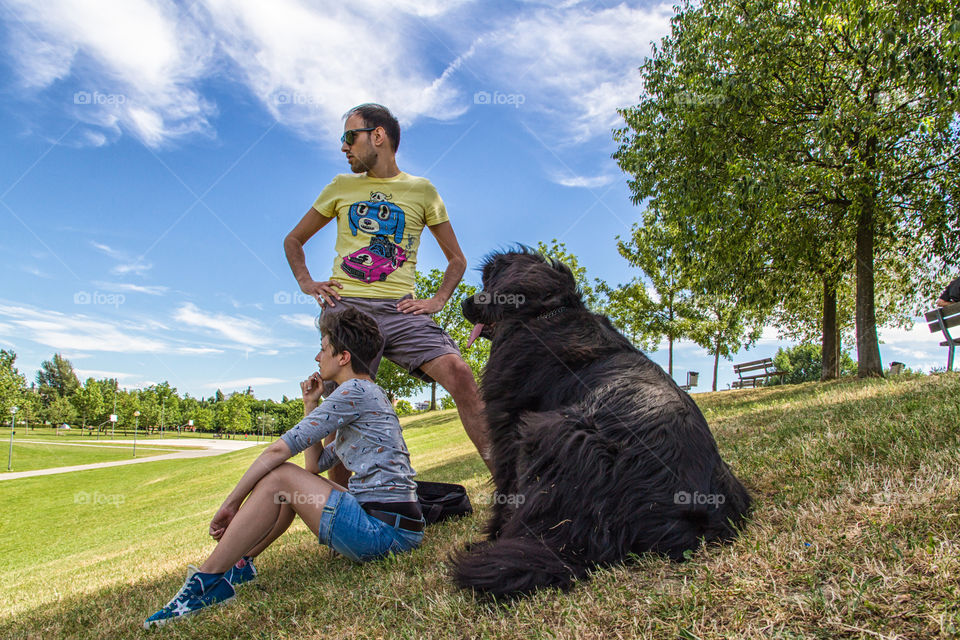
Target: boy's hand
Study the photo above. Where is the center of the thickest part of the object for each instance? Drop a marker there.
(311, 388)
(221, 521)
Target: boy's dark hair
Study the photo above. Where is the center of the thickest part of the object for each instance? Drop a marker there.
(355, 332)
(377, 115)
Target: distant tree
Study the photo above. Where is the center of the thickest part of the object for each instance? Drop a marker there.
(446, 402)
(803, 363)
(722, 326)
(56, 378)
(88, 401)
(403, 407)
(394, 380)
(233, 415)
(647, 319)
(12, 384)
(60, 411)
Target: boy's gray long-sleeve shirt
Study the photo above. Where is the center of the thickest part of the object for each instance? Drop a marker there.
(369, 442)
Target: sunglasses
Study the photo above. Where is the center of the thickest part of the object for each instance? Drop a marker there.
(350, 135)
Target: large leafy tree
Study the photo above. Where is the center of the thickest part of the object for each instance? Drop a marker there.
(797, 142)
(56, 378)
(723, 325)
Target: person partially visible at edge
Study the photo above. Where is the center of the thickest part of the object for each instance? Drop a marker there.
(380, 213)
(379, 514)
(950, 295)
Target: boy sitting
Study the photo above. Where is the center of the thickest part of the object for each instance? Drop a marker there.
(377, 516)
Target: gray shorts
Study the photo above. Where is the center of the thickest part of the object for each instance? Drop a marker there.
(409, 340)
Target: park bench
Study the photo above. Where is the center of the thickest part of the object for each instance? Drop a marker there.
(942, 320)
(752, 374)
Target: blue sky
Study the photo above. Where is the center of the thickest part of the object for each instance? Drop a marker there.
(156, 153)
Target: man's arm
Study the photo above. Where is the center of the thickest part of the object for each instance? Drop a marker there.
(456, 265)
(312, 222)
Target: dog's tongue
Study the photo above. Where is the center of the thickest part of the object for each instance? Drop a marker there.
(477, 328)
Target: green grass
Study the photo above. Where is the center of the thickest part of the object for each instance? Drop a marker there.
(28, 456)
(855, 535)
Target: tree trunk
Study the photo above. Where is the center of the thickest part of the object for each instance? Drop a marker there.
(433, 396)
(868, 345)
(830, 347)
(716, 366)
(670, 356)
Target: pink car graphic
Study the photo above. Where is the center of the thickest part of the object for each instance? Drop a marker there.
(363, 264)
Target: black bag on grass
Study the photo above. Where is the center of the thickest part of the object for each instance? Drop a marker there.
(442, 500)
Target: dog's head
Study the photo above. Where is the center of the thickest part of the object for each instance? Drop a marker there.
(519, 285)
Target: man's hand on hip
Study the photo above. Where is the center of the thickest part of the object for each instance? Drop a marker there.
(324, 292)
(418, 307)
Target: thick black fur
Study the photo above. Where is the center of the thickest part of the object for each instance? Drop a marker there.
(594, 446)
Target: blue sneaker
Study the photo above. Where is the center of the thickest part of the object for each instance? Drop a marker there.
(243, 571)
(199, 590)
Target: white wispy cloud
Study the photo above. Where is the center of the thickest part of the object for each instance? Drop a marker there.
(125, 287)
(128, 264)
(243, 331)
(135, 64)
(79, 332)
(302, 320)
(576, 64)
(586, 182)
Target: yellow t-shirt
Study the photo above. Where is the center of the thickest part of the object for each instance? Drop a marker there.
(379, 222)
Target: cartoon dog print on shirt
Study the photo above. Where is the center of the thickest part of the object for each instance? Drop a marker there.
(377, 216)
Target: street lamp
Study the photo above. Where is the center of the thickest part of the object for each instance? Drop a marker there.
(13, 425)
(136, 423)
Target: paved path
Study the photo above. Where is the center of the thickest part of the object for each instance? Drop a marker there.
(201, 447)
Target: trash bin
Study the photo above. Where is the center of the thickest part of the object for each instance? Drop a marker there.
(692, 377)
(896, 368)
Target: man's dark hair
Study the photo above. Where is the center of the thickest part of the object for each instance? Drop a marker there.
(355, 332)
(377, 115)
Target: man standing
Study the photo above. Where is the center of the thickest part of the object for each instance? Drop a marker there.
(950, 295)
(380, 213)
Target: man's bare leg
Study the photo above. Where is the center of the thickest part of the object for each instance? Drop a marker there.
(454, 375)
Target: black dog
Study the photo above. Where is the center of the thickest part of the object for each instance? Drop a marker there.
(597, 452)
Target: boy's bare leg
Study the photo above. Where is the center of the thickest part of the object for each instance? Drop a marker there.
(260, 513)
(284, 520)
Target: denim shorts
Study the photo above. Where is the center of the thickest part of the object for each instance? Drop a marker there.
(351, 531)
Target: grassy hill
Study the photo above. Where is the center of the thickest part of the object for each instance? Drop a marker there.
(856, 534)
